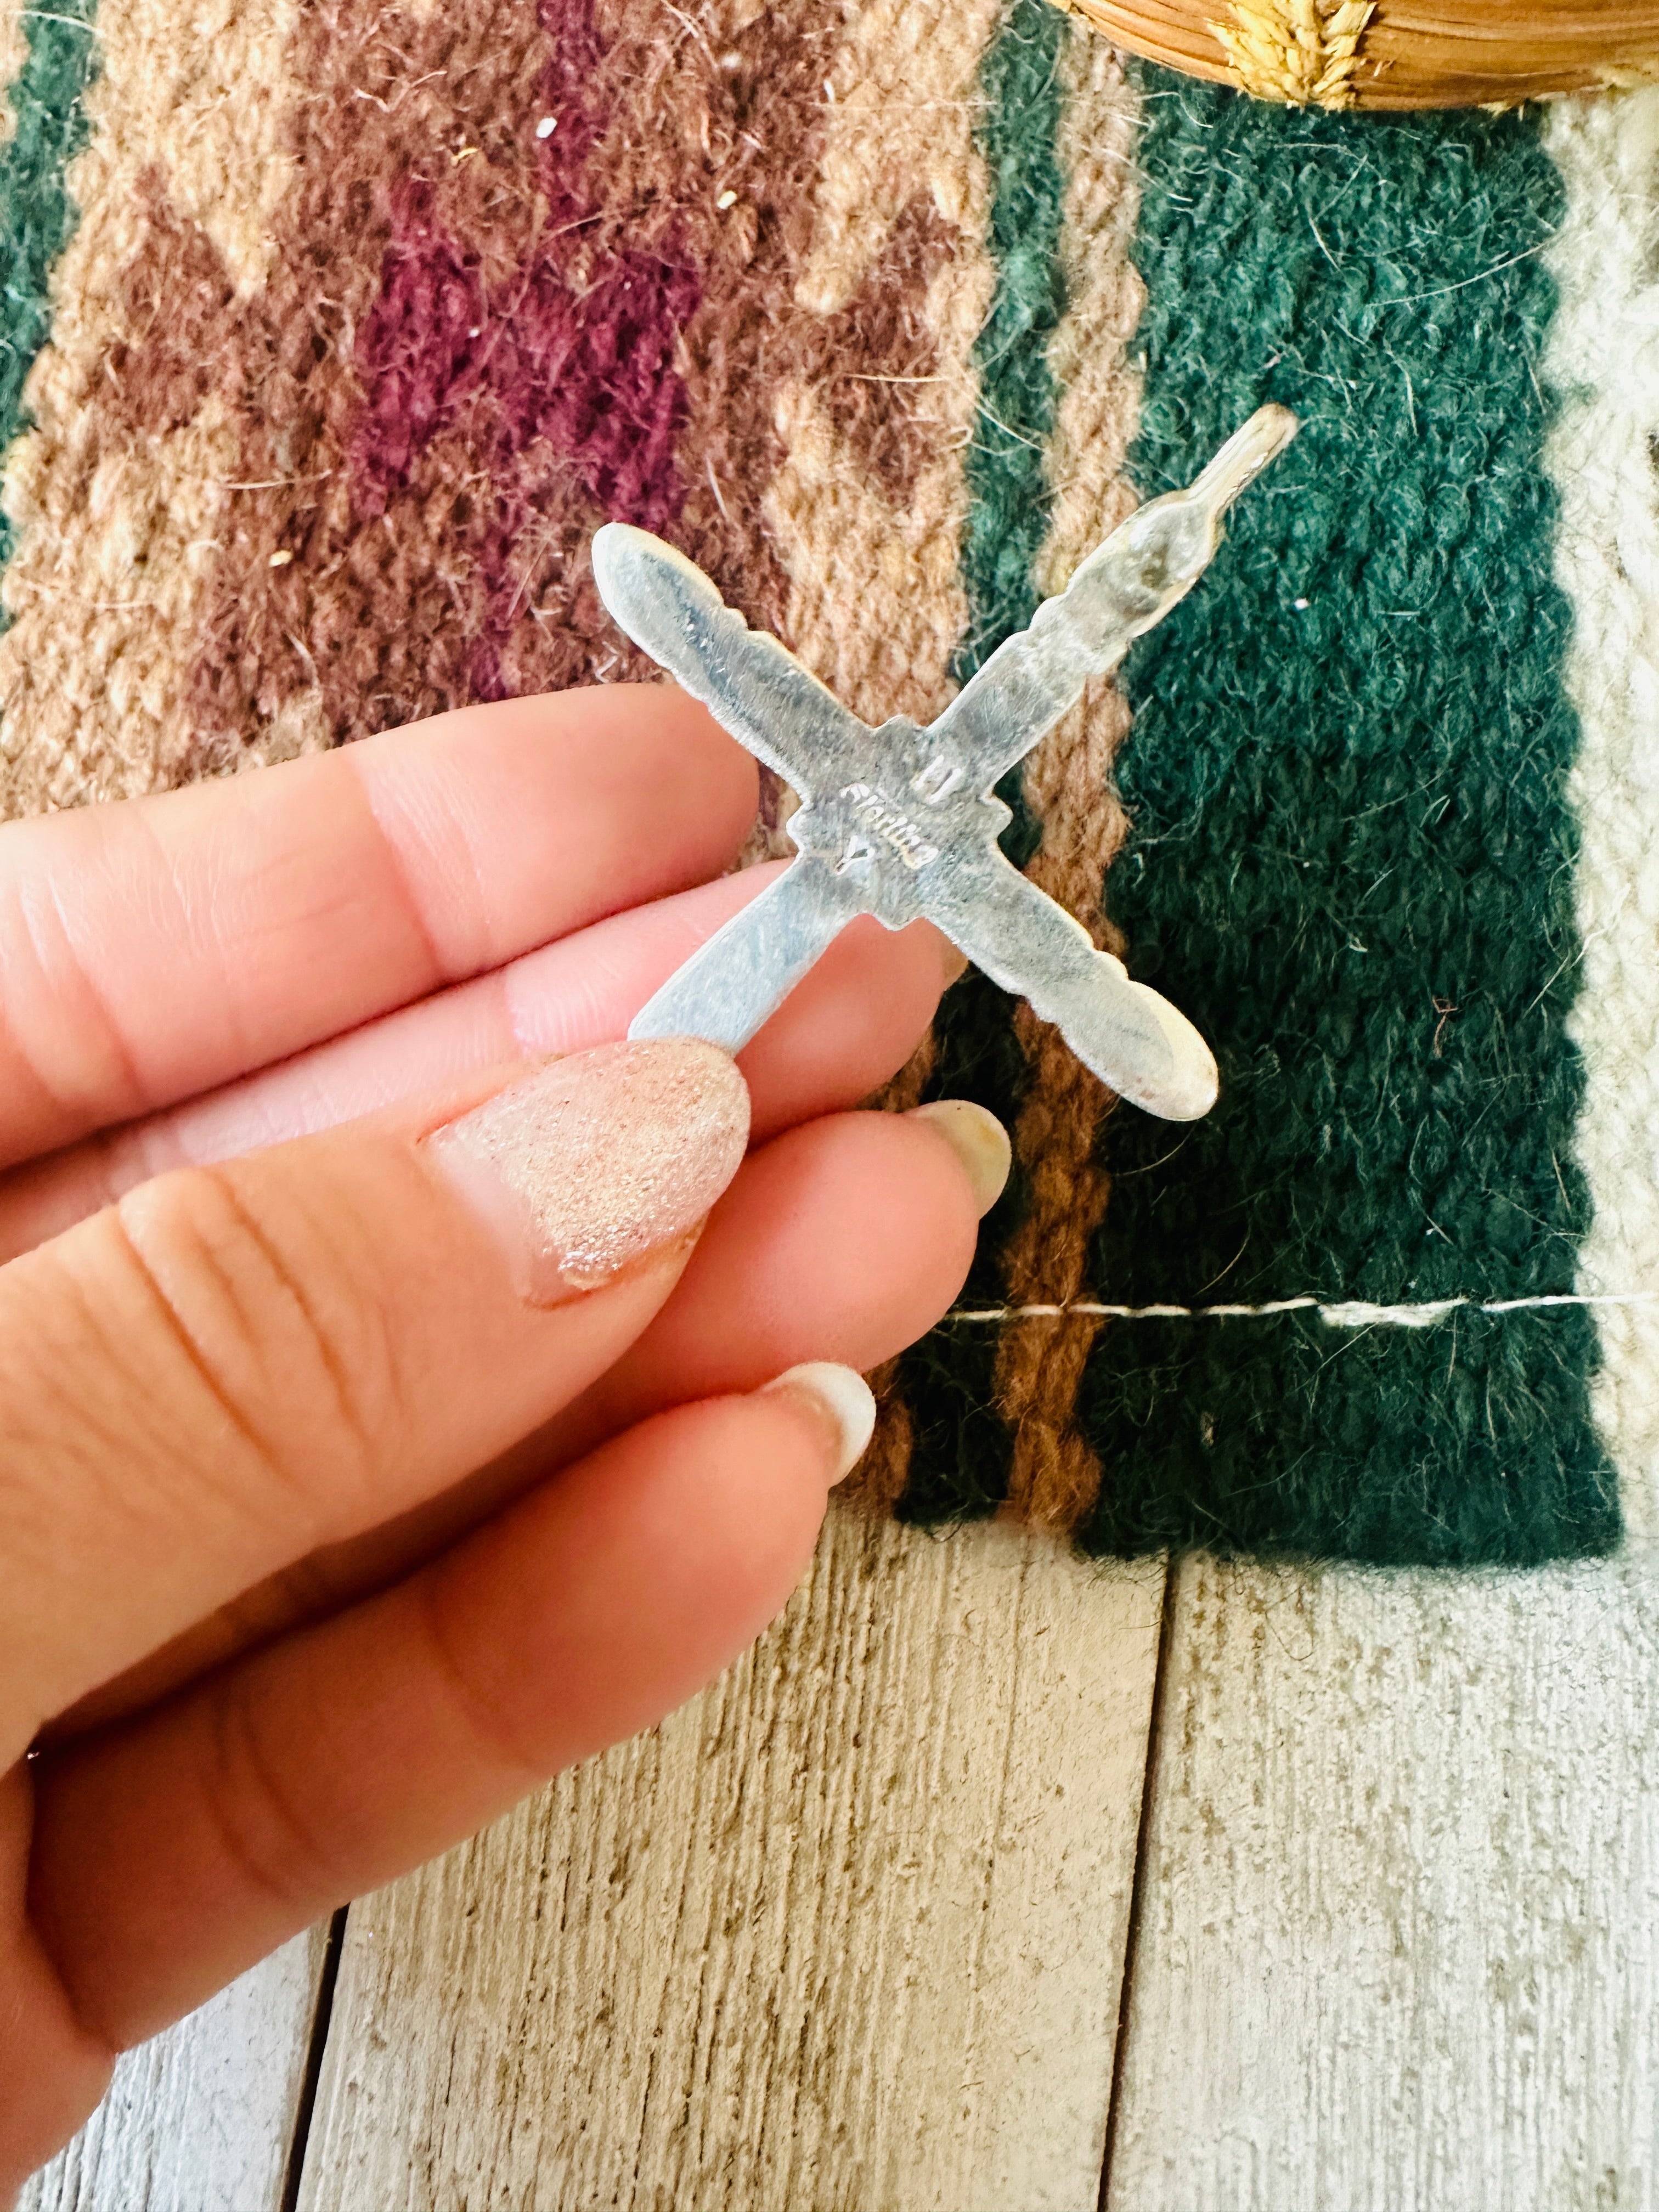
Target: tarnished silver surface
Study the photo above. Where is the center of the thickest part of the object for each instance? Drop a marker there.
(901, 822)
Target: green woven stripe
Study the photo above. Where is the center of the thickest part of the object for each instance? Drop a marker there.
(960, 1464)
(1350, 819)
(36, 215)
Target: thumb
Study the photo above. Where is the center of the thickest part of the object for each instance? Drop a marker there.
(237, 1363)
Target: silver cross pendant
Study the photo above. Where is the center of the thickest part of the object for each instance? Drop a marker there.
(901, 822)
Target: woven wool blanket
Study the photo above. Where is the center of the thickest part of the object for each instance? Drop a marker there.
(332, 332)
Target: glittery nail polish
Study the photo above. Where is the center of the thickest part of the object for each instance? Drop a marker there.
(597, 1161)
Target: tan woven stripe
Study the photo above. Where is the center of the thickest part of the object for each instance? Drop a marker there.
(876, 603)
(867, 509)
(14, 50)
(117, 511)
(1054, 1475)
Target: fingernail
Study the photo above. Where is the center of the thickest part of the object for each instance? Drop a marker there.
(841, 1399)
(956, 963)
(596, 1161)
(979, 1141)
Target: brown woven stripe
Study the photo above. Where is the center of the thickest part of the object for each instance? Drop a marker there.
(746, 103)
(1054, 1475)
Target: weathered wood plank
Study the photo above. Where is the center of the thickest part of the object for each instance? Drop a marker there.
(846, 1931)
(200, 2119)
(1399, 1934)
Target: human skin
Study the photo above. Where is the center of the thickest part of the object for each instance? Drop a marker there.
(323, 1538)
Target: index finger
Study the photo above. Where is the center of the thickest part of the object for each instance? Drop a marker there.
(200, 1384)
(153, 947)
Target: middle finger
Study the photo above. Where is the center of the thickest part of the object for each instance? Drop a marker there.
(844, 1239)
(846, 1029)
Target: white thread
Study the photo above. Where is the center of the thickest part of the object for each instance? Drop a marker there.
(1349, 1312)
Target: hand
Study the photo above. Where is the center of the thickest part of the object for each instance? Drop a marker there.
(381, 1428)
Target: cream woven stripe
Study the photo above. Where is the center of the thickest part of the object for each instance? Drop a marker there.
(1603, 358)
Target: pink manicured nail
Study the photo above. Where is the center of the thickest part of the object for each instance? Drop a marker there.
(979, 1141)
(841, 1400)
(597, 1161)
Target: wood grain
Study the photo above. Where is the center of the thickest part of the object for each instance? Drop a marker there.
(200, 2119)
(1399, 1934)
(846, 1932)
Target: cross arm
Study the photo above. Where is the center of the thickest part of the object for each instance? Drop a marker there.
(754, 686)
(1134, 1040)
(737, 978)
(1126, 585)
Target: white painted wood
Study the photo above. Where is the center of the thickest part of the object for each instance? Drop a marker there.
(1398, 1937)
(200, 2119)
(847, 1932)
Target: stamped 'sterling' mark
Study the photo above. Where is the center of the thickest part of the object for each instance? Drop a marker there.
(906, 839)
